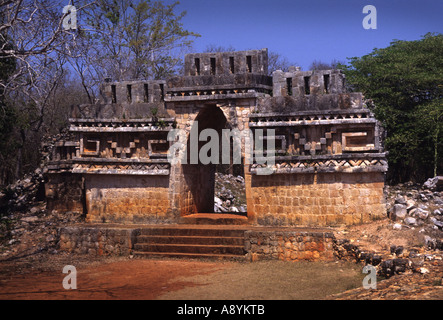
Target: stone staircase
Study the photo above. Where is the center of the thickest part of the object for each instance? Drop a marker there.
(215, 219)
(211, 241)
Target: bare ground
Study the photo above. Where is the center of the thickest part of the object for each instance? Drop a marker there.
(379, 235)
(147, 279)
(28, 273)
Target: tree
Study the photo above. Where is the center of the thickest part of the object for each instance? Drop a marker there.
(429, 119)
(132, 40)
(8, 117)
(33, 36)
(404, 81)
(216, 48)
(117, 38)
(276, 61)
(320, 65)
(36, 38)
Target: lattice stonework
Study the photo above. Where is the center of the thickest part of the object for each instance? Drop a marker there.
(158, 148)
(123, 151)
(313, 147)
(356, 141)
(89, 147)
(139, 148)
(333, 165)
(279, 143)
(124, 169)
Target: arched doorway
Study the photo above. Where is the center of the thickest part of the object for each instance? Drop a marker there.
(208, 160)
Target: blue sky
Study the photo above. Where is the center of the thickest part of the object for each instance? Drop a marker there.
(304, 31)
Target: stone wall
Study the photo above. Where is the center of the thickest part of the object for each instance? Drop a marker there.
(286, 245)
(133, 92)
(127, 199)
(289, 245)
(64, 192)
(300, 83)
(216, 63)
(326, 199)
(97, 241)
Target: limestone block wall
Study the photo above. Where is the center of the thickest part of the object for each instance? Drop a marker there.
(215, 63)
(63, 192)
(133, 92)
(317, 199)
(97, 241)
(300, 83)
(127, 199)
(289, 245)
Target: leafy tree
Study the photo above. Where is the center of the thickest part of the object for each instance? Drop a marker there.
(405, 82)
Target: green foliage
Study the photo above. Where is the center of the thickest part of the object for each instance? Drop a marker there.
(405, 82)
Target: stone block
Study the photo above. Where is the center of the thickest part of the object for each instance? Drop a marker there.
(399, 211)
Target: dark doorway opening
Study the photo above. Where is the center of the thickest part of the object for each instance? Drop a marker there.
(215, 187)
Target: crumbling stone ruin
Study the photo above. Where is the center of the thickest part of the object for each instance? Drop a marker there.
(329, 165)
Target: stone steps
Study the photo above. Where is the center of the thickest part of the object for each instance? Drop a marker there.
(209, 240)
(214, 219)
(191, 255)
(191, 241)
(189, 248)
(183, 231)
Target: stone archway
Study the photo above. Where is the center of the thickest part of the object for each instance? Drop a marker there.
(199, 176)
(205, 152)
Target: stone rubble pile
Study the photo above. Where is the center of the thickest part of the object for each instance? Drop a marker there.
(33, 231)
(402, 273)
(414, 206)
(21, 195)
(229, 193)
(26, 226)
(397, 261)
(410, 207)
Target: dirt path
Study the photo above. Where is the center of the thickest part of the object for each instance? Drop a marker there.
(176, 279)
(272, 280)
(126, 279)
